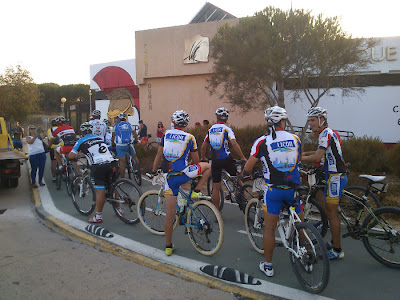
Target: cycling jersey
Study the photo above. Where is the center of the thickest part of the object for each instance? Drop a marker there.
(219, 136)
(66, 133)
(333, 161)
(123, 133)
(279, 157)
(99, 127)
(177, 146)
(94, 148)
(50, 136)
(108, 136)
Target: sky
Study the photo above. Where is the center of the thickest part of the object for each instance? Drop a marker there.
(57, 41)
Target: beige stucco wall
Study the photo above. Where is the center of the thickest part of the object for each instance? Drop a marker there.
(166, 84)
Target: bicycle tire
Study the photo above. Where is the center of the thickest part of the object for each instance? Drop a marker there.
(128, 192)
(205, 215)
(58, 178)
(255, 234)
(221, 193)
(245, 195)
(71, 175)
(128, 165)
(311, 260)
(386, 233)
(360, 192)
(152, 210)
(314, 214)
(136, 171)
(84, 203)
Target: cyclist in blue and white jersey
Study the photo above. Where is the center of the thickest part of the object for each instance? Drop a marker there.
(218, 137)
(123, 136)
(176, 147)
(329, 152)
(279, 152)
(100, 163)
(99, 127)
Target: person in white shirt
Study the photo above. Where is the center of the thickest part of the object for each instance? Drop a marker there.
(37, 155)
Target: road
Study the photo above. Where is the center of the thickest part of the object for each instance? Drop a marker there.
(357, 275)
(38, 263)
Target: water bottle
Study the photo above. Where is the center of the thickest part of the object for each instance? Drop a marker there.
(181, 200)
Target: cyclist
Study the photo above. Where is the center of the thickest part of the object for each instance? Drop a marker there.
(176, 146)
(53, 147)
(219, 136)
(279, 152)
(66, 134)
(99, 127)
(100, 162)
(123, 135)
(108, 136)
(329, 152)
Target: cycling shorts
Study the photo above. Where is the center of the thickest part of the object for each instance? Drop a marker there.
(52, 156)
(122, 149)
(64, 149)
(335, 184)
(101, 175)
(173, 182)
(274, 198)
(218, 165)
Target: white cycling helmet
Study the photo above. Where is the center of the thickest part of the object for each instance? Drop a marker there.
(317, 112)
(106, 122)
(275, 114)
(222, 113)
(122, 116)
(60, 119)
(180, 118)
(96, 113)
(86, 127)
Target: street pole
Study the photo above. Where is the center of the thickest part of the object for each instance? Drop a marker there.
(63, 100)
(90, 101)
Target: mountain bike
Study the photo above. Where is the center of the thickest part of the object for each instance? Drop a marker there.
(67, 175)
(231, 188)
(307, 251)
(133, 166)
(122, 194)
(202, 220)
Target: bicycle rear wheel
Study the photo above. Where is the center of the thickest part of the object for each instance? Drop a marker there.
(316, 216)
(58, 178)
(254, 222)
(136, 171)
(245, 195)
(71, 175)
(152, 211)
(126, 194)
(83, 195)
(382, 235)
(205, 227)
(221, 192)
(312, 265)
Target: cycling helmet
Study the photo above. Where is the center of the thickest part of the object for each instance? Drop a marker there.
(86, 127)
(222, 113)
(96, 114)
(180, 118)
(275, 114)
(54, 122)
(60, 119)
(317, 112)
(106, 122)
(122, 116)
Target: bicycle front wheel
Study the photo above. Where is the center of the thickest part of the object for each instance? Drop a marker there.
(136, 171)
(254, 222)
(382, 235)
(205, 227)
(309, 258)
(316, 216)
(152, 211)
(83, 195)
(126, 194)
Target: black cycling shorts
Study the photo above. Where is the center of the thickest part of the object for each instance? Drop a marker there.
(52, 156)
(102, 174)
(218, 165)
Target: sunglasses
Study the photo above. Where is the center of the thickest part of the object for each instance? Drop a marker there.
(33, 128)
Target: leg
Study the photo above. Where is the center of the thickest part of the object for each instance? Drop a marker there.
(269, 235)
(122, 162)
(215, 193)
(205, 171)
(320, 197)
(42, 163)
(100, 200)
(169, 218)
(334, 223)
(34, 160)
(58, 157)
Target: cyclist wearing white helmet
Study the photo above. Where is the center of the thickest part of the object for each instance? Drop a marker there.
(108, 136)
(99, 127)
(279, 152)
(100, 164)
(218, 137)
(123, 136)
(175, 148)
(329, 153)
(54, 126)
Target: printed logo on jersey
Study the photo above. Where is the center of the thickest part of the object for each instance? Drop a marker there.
(283, 146)
(192, 168)
(217, 130)
(124, 126)
(175, 138)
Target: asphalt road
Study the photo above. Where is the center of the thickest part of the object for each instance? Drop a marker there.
(358, 275)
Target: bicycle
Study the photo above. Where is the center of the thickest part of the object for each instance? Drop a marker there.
(306, 247)
(152, 145)
(67, 175)
(202, 220)
(231, 190)
(133, 166)
(122, 194)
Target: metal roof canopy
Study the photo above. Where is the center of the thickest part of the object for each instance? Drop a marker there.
(209, 12)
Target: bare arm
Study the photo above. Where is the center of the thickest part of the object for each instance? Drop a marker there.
(31, 140)
(195, 157)
(158, 158)
(72, 155)
(248, 167)
(203, 151)
(238, 150)
(314, 158)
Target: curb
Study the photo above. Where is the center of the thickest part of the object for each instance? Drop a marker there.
(106, 246)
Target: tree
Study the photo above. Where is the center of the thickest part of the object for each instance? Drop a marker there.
(19, 95)
(261, 56)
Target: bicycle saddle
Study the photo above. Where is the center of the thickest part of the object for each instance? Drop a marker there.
(373, 178)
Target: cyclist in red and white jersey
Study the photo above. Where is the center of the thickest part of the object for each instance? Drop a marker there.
(329, 153)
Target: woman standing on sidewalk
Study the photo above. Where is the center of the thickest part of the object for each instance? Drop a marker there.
(37, 154)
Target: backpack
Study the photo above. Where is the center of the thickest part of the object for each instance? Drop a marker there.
(123, 131)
